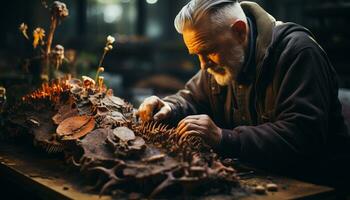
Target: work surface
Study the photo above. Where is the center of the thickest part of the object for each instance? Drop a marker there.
(50, 178)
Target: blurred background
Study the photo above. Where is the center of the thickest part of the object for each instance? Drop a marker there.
(149, 56)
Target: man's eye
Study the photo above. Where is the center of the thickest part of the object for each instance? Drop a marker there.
(213, 55)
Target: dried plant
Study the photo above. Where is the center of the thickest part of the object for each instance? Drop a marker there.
(38, 35)
(23, 29)
(58, 11)
(108, 47)
(57, 56)
(51, 59)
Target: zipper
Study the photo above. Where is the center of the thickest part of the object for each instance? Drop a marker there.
(256, 96)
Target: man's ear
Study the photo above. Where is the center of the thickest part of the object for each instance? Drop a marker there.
(239, 29)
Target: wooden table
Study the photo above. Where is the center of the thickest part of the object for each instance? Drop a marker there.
(48, 177)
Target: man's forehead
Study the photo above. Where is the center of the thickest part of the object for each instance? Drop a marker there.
(196, 39)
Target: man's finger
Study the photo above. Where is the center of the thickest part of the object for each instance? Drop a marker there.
(194, 117)
(163, 113)
(188, 134)
(147, 108)
(185, 121)
(189, 127)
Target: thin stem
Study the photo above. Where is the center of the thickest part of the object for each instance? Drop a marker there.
(53, 25)
(100, 64)
(51, 33)
(102, 58)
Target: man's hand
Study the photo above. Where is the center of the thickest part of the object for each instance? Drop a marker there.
(153, 108)
(200, 125)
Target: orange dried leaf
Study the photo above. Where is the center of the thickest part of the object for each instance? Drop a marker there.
(63, 113)
(75, 127)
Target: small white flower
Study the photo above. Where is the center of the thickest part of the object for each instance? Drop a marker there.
(101, 69)
(110, 39)
(110, 47)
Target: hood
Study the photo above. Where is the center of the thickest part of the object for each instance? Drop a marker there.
(281, 31)
(264, 24)
(270, 32)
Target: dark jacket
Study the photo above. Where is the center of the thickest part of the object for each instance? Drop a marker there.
(287, 113)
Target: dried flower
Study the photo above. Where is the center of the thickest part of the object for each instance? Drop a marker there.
(23, 28)
(57, 55)
(101, 69)
(38, 35)
(108, 47)
(44, 3)
(88, 82)
(2, 92)
(59, 10)
(110, 39)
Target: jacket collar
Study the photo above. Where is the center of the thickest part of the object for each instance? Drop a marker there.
(247, 72)
(264, 24)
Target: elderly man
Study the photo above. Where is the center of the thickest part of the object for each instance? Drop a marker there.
(266, 91)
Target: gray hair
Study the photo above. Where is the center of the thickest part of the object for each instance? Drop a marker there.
(220, 11)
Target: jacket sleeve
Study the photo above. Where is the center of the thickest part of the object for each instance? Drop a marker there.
(193, 99)
(299, 126)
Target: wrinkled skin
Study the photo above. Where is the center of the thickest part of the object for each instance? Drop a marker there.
(202, 126)
(221, 55)
(195, 125)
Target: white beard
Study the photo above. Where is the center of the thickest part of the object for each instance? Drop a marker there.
(231, 70)
(221, 79)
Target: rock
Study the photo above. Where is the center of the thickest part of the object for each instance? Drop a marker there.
(259, 189)
(124, 134)
(272, 187)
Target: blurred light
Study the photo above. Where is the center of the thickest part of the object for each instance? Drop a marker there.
(153, 29)
(151, 1)
(125, 1)
(106, 1)
(112, 13)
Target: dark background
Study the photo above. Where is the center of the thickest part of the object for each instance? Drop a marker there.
(149, 56)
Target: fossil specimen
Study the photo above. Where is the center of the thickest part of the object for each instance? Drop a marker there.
(152, 171)
(124, 143)
(29, 114)
(115, 151)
